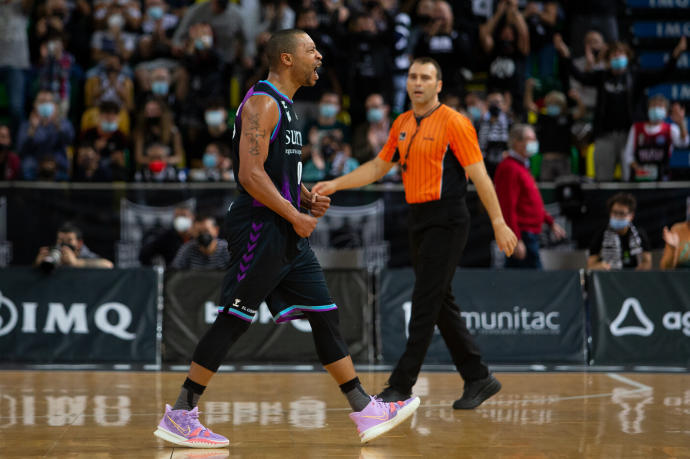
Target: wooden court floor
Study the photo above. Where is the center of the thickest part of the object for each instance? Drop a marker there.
(76, 414)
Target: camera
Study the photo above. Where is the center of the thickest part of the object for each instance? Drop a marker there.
(52, 259)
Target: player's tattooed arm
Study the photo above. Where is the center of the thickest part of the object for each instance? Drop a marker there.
(254, 134)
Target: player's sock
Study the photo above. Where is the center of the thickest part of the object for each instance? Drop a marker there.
(355, 394)
(189, 395)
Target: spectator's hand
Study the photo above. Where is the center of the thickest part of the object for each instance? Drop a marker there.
(319, 205)
(505, 239)
(69, 258)
(520, 251)
(304, 224)
(681, 47)
(324, 188)
(558, 231)
(602, 266)
(42, 253)
(678, 114)
(671, 238)
(560, 46)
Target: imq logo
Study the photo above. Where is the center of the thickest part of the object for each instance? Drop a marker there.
(60, 319)
(672, 320)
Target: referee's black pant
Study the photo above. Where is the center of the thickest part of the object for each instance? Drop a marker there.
(438, 233)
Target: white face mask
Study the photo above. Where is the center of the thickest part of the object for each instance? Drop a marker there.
(116, 21)
(182, 224)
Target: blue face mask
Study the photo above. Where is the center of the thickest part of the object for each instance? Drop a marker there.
(328, 110)
(532, 148)
(46, 109)
(155, 12)
(160, 88)
(214, 117)
(209, 160)
(656, 113)
(618, 224)
(619, 62)
(475, 112)
(109, 126)
(553, 110)
(374, 115)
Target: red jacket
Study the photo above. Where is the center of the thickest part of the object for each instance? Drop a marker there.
(520, 199)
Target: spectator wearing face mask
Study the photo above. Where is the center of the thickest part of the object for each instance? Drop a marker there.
(494, 127)
(157, 29)
(114, 39)
(554, 124)
(56, 70)
(620, 245)
(10, 165)
(109, 81)
(109, 142)
(475, 106)
(520, 199)
(157, 82)
(158, 167)
(325, 124)
(205, 251)
(619, 90)
(216, 165)
(161, 247)
(156, 126)
(230, 38)
(45, 136)
(370, 137)
(200, 78)
(650, 144)
(215, 131)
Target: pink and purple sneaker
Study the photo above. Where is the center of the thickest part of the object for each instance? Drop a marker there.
(379, 417)
(183, 428)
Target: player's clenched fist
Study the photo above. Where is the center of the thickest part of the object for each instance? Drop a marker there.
(319, 205)
(304, 224)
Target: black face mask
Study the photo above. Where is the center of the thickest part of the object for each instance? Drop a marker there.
(4, 147)
(153, 119)
(204, 239)
(495, 110)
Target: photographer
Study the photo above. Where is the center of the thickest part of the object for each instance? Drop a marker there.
(69, 250)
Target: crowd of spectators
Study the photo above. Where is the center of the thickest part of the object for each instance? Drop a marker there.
(122, 90)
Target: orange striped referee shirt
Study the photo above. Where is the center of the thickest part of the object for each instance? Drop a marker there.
(432, 153)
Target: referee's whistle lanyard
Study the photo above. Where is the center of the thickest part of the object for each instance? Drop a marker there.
(403, 165)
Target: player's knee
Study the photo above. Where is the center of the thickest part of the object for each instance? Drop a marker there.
(330, 345)
(214, 345)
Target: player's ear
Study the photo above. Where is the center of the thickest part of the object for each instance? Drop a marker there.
(439, 86)
(286, 59)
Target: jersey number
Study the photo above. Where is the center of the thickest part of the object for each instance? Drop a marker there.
(299, 172)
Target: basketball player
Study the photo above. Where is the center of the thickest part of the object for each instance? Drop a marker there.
(436, 148)
(271, 257)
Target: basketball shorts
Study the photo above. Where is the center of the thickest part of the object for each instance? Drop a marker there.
(270, 262)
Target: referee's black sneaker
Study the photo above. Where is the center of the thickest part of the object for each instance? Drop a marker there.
(476, 392)
(391, 394)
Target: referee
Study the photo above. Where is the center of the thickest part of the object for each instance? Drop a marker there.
(436, 149)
